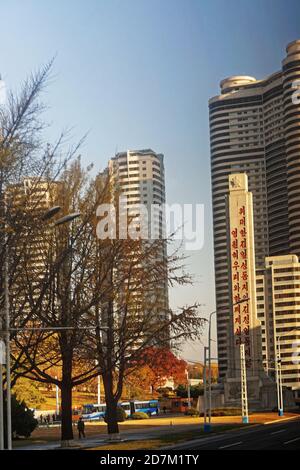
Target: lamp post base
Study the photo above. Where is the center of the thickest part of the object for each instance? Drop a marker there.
(280, 412)
(207, 427)
(245, 420)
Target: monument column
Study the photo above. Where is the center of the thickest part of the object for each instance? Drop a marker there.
(245, 325)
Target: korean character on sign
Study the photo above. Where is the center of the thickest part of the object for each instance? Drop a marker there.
(238, 331)
(246, 319)
(236, 276)
(244, 265)
(234, 232)
(244, 254)
(243, 232)
(242, 210)
(243, 221)
(236, 287)
(244, 276)
(237, 308)
(245, 286)
(235, 265)
(234, 244)
(235, 254)
(236, 298)
(246, 330)
(243, 243)
(246, 308)
(237, 319)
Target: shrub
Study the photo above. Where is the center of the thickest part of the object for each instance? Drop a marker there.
(22, 418)
(121, 415)
(139, 415)
(192, 412)
(226, 412)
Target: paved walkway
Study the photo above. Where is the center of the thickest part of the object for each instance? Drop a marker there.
(128, 435)
(149, 429)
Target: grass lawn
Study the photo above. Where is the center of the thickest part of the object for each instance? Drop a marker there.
(170, 429)
(79, 399)
(166, 440)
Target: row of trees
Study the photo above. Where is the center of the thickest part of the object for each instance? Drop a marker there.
(77, 303)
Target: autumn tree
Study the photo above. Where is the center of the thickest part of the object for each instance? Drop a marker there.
(164, 365)
(29, 165)
(132, 314)
(58, 294)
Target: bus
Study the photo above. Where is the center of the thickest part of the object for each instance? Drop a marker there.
(95, 412)
(150, 407)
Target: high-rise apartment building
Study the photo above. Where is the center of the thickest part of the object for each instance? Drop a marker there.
(139, 175)
(278, 300)
(26, 203)
(255, 128)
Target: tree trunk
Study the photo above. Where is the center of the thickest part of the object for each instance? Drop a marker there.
(111, 406)
(112, 417)
(66, 402)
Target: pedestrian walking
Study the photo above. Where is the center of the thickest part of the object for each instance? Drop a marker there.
(80, 427)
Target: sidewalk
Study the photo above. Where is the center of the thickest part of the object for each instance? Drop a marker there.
(128, 435)
(144, 429)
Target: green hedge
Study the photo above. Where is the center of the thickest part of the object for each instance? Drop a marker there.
(225, 412)
(192, 412)
(121, 415)
(139, 415)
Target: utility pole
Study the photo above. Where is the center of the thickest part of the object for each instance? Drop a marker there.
(2, 361)
(244, 395)
(7, 341)
(209, 367)
(279, 377)
(188, 389)
(98, 385)
(208, 427)
(98, 390)
(206, 424)
(57, 398)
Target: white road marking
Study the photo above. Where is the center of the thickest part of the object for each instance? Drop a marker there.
(293, 440)
(277, 432)
(281, 420)
(231, 445)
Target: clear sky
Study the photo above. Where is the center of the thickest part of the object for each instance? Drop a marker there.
(139, 73)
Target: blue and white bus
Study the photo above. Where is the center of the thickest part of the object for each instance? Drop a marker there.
(150, 407)
(95, 412)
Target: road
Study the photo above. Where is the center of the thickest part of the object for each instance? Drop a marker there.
(283, 436)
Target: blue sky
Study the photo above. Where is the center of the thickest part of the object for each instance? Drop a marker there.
(139, 73)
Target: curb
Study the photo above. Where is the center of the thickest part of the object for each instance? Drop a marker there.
(282, 419)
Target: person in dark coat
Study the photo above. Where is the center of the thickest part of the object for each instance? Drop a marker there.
(80, 427)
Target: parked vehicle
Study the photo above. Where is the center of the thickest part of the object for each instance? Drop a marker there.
(95, 412)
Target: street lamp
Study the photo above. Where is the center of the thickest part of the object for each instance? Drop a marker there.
(50, 213)
(278, 369)
(188, 388)
(207, 426)
(67, 218)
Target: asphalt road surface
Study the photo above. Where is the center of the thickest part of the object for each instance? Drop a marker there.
(283, 436)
